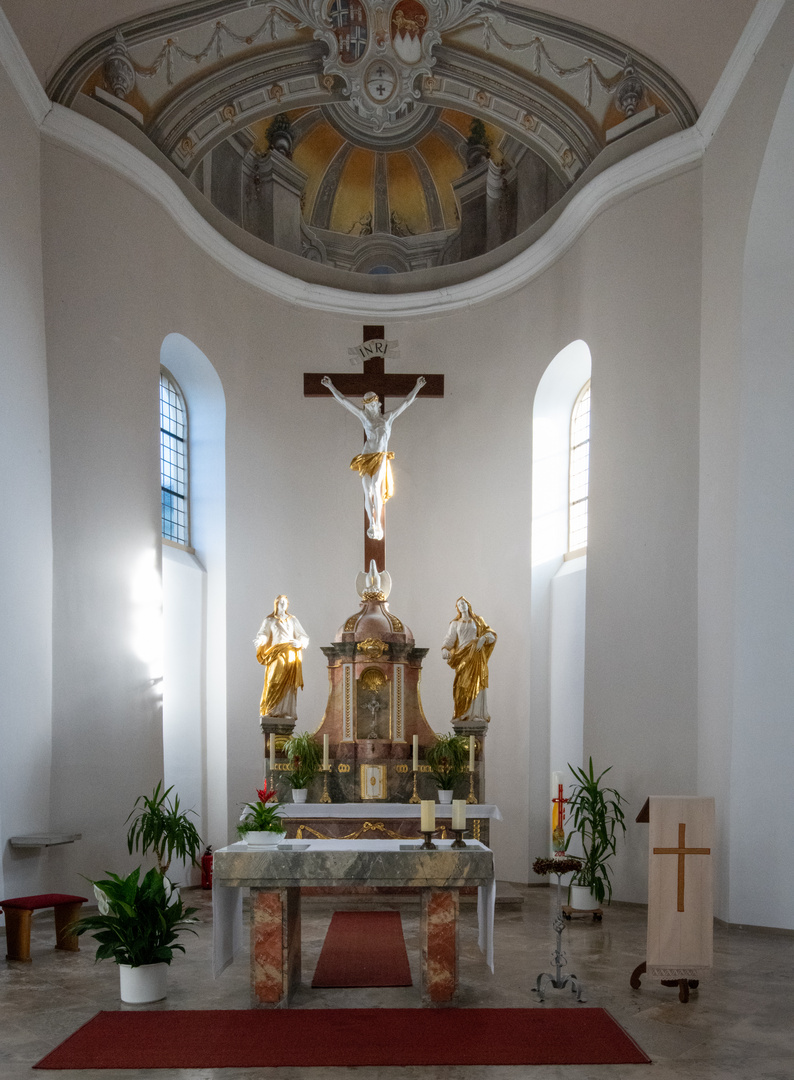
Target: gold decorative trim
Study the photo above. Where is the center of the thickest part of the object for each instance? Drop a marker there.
(350, 625)
(368, 826)
(399, 687)
(372, 678)
(343, 768)
(396, 625)
(476, 828)
(373, 779)
(374, 648)
(401, 768)
(347, 677)
(373, 596)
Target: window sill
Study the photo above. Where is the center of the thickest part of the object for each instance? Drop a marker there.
(578, 554)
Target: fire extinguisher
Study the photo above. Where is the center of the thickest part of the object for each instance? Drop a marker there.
(206, 869)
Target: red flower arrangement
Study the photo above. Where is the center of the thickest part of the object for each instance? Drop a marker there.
(263, 815)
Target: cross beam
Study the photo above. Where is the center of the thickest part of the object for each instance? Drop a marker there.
(373, 378)
(681, 851)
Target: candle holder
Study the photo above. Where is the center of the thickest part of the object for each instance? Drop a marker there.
(472, 797)
(414, 797)
(325, 797)
(458, 841)
(428, 844)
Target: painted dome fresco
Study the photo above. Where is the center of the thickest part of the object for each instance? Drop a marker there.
(419, 140)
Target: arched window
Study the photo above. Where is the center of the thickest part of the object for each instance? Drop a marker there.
(579, 470)
(173, 461)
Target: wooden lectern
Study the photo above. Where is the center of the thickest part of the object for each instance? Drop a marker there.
(680, 891)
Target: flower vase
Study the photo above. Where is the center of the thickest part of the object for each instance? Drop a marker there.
(142, 984)
(299, 794)
(255, 838)
(582, 898)
(445, 795)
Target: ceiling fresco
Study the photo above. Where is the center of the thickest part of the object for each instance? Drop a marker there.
(369, 136)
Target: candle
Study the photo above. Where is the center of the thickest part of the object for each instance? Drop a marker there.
(428, 816)
(416, 753)
(325, 752)
(272, 753)
(458, 814)
(472, 747)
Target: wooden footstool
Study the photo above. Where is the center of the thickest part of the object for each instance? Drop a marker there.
(19, 912)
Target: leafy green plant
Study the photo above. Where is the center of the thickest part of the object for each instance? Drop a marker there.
(597, 814)
(138, 921)
(160, 826)
(260, 816)
(304, 757)
(447, 758)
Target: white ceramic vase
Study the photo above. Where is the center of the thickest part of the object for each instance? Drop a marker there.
(445, 796)
(143, 984)
(299, 794)
(582, 899)
(263, 839)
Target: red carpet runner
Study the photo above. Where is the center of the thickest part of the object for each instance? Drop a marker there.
(363, 948)
(316, 1038)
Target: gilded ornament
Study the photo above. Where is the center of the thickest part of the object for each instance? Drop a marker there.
(350, 625)
(396, 625)
(374, 648)
(228, 112)
(373, 678)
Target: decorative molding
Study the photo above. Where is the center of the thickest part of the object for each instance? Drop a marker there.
(669, 157)
(20, 72)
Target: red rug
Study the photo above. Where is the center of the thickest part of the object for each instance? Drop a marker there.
(364, 948)
(317, 1038)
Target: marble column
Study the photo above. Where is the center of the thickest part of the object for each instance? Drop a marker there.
(439, 933)
(275, 945)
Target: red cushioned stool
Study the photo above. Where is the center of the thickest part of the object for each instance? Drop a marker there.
(19, 912)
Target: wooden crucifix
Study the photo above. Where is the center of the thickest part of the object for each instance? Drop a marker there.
(373, 351)
(681, 851)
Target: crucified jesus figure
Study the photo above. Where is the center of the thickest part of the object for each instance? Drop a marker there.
(372, 464)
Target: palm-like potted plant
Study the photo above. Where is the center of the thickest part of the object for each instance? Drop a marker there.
(447, 758)
(596, 816)
(137, 927)
(261, 822)
(160, 826)
(304, 757)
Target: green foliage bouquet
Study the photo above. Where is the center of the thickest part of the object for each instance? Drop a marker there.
(138, 921)
(447, 758)
(597, 813)
(162, 827)
(304, 756)
(262, 816)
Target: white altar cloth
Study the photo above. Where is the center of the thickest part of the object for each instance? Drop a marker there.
(227, 901)
(370, 808)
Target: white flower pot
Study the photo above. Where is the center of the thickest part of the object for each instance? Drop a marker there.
(299, 794)
(582, 899)
(263, 839)
(142, 984)
(444, 796)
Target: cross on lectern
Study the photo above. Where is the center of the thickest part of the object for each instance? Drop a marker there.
(374, 377)
(681, 851)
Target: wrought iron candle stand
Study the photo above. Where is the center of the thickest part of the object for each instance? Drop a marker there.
(559, 980)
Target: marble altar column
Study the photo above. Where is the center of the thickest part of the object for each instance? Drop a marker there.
(275, 945)
(439, 933)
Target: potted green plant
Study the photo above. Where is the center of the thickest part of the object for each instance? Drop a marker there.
(260, 824)
(162, 827)
(447, 758)
(596, 816)
(137, 927)
(304, 757)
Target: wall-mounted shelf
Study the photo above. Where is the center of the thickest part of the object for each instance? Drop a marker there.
(37, 840)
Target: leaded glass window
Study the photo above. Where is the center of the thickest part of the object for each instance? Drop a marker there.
(173, 462)
(579, 474)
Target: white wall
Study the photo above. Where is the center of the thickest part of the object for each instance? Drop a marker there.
(25, 518)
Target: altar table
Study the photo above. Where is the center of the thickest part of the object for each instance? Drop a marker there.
(275, 877)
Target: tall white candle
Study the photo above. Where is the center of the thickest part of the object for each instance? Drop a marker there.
(416, 753)
(325, 752)
(458, 814)
(428, 816)
(556, 780)
(472, 746)
(272, 753)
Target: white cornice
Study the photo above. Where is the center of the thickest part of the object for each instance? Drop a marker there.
(20, 72)
(663, 159)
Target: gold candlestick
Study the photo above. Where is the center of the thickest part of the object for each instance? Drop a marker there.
(414, 798)
(325, 797)
(472, 797)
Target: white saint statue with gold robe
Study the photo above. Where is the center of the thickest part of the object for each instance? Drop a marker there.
(279, 644)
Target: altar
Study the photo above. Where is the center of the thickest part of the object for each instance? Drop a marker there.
(384, 821)
(276, 876)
